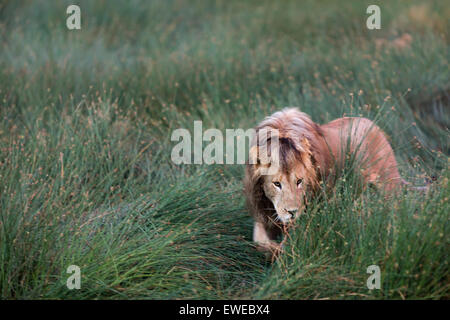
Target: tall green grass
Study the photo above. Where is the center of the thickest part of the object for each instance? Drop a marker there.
(85, 171)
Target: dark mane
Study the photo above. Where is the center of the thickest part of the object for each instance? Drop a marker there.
(289, 154)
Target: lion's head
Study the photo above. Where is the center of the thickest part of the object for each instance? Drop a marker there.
(286, 190)
(280, 194)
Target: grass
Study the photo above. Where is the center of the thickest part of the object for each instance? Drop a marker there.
(85, 171)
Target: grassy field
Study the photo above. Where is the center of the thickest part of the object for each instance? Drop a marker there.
(86, 176)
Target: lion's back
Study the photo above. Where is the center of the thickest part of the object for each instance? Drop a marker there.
(370, 145)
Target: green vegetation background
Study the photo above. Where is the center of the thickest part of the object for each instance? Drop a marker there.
(85, 170)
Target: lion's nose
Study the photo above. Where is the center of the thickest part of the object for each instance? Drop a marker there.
(292, 212)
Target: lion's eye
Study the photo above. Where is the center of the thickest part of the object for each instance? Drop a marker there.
(277, 184)
(299, 181)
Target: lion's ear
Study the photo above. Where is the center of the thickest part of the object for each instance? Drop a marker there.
(306, 145)
(307, 156)
(302, 145)
(262, 163)
(253, 155)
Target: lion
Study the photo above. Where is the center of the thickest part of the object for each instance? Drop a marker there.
(307, 156)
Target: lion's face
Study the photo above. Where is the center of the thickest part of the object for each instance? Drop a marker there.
(286, 191)
(282, 168)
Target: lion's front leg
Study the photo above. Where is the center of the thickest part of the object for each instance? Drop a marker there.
(264, 241)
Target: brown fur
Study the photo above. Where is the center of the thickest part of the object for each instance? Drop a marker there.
(312, 153)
